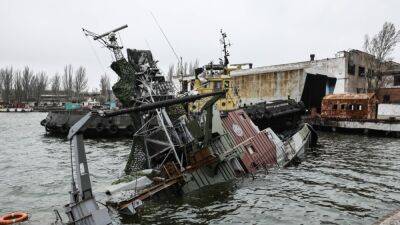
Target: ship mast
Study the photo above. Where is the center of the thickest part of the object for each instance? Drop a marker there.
(155, 128)
(225, 46)
(109, 40)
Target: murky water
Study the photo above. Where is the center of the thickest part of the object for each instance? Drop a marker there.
(349, 179)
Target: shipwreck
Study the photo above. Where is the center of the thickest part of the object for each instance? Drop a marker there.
(183, 142)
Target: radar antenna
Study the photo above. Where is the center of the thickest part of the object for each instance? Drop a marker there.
(109, 40)
(225, 46)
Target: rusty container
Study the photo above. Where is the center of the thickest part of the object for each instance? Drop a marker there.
(260, 151)
(239, 125)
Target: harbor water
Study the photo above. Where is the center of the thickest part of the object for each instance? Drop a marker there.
(348, 179)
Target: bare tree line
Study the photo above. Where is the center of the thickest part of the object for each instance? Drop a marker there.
(23, 86)
(105, 87)
(381, 45)
(184, 69)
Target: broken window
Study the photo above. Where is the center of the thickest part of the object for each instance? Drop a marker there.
(361, 71)
(396, 80)
(350, 107)
(370, 73)
(351, 70)
(386, 98)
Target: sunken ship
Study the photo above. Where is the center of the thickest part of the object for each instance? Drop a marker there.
(182, 142)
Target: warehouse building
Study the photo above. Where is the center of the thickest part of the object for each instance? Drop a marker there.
(307, 81)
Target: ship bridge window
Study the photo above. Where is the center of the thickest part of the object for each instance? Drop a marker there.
(226, 84)
(217, 86)
(236, 90)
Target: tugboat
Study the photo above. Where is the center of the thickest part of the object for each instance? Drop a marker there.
(284, 117)
(175, 150)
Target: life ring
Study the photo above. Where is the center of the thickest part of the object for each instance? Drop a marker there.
(113, 129)
(14, 217)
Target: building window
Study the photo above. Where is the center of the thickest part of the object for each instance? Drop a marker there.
(361, 71)
(386, 98)
(370, 73)
(396, 80)
(360, 107)
(351, 70)
(342, 106)
(334, 107)
(350, 107)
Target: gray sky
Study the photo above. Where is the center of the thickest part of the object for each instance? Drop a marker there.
(46, 35)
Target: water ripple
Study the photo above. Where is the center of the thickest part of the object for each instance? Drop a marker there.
(348, 179)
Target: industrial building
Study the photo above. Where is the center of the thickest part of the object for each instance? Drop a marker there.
(308, 81)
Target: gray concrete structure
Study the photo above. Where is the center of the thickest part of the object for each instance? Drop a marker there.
(345, 73)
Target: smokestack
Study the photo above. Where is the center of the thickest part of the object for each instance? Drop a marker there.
(312, 57)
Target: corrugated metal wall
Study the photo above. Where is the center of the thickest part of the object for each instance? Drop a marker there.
(260, 151)
(239, 125)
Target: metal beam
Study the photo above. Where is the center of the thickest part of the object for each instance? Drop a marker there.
(162, 104)
(112, 31)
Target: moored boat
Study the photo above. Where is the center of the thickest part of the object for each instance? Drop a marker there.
(59, 122)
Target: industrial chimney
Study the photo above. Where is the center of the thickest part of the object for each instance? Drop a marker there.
(312, 57)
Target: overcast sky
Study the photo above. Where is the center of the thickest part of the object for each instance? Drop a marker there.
(46, 35)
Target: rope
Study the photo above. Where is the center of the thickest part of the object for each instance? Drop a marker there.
(95, 53)
(165, 36)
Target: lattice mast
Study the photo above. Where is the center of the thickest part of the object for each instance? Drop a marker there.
(145, 91)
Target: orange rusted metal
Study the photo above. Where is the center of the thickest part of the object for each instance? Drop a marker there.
(349, 106)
